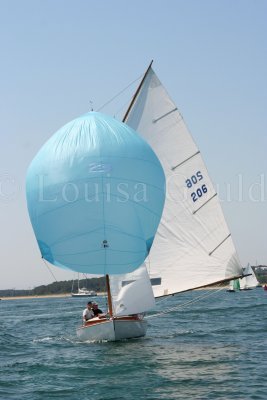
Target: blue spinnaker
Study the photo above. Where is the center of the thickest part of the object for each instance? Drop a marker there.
(95, 194)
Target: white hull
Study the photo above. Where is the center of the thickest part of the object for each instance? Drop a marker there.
(113, 329)
(83, 295)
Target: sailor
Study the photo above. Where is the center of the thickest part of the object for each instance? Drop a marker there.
(96, 310)
(88, 312)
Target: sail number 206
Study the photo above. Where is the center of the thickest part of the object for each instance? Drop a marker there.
(194, 180)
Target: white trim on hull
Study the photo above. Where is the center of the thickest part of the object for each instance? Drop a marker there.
(112, 329)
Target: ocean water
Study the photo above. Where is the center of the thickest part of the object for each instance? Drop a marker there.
(212, 348)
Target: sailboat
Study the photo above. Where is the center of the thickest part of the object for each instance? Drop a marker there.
(234, 285)
(82, 292)
(128, 300)
(249, 281)
(95, 195)
(191, 247)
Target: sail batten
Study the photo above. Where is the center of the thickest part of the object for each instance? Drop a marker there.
(184, 161)
(203, 205)
(165, 115)
(216, 248)
(191, 223)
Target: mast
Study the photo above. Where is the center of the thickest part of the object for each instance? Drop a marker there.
(72, 285)
(137, 92)
(109, 296)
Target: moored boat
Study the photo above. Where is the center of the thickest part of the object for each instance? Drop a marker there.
(83, 292)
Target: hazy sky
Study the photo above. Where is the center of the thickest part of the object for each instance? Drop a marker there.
(58, 56)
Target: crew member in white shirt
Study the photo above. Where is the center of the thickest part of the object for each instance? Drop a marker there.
(88, 312)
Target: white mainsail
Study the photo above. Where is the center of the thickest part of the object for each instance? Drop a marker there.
(193, 246)
(131, 293)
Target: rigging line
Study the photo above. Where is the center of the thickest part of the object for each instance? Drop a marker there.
(186, 303)
(118, 94)
(116, 113)
(47, 266)
(163, 299)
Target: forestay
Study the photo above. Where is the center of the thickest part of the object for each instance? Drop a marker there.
(193, 246)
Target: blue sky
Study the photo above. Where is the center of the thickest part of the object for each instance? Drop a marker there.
(58, 56)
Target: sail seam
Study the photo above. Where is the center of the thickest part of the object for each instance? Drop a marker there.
(194, 212)
(187, 159)
(227, 237)
(164, 115)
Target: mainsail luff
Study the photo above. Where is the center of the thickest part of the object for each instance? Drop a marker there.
(193, 247)
(137, 92)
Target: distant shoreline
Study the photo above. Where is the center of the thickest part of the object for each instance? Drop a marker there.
(44, 296)
(68, 295)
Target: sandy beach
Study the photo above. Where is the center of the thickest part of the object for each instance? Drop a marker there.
(44, 296)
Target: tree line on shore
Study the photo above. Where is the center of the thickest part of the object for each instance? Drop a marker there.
(61, 287)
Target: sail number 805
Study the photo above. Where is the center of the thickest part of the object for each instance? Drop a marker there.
(191, 182)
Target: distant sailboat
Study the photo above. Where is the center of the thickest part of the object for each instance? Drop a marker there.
(191, 248)
(249, 281)
(234, 285)
(82, 292)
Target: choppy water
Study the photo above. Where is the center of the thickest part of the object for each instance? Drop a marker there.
(213, 349)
